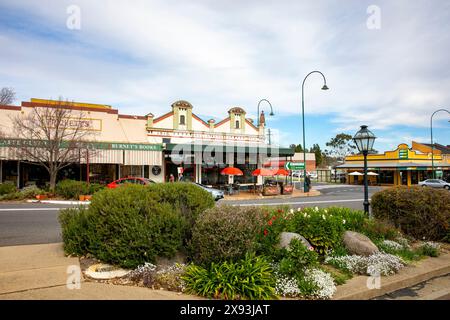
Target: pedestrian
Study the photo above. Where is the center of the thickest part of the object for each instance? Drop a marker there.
(171, 178)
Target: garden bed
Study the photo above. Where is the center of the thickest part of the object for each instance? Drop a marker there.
(235, 252)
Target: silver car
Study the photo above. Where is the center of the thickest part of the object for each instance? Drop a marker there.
(217, 194)
(435, 183)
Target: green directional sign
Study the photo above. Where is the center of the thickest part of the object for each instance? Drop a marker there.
(294, 166)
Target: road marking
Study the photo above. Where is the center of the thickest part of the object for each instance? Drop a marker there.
(30, 209)
(298, 202)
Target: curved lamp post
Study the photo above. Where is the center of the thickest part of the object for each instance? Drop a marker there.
(432, 145)
(364, 140)
(305, 186)
(271, 109)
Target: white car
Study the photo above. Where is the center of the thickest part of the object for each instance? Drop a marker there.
(313, 175)
(435, 183)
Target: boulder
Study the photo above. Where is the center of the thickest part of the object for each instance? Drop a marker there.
(286, 238)
(359, 244)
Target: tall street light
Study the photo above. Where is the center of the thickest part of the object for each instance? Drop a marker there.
(271, 110)
(432, 145)
(364, 140)
(305, 186)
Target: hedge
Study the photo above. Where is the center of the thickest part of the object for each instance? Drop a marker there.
(72, 189)
(422, 213)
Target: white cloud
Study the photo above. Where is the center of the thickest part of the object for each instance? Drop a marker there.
(142, 56)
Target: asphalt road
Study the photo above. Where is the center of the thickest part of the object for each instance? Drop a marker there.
(34, 223)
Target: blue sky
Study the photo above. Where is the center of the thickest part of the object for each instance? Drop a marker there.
(141, 56)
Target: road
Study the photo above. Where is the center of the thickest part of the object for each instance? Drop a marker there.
(34, 223)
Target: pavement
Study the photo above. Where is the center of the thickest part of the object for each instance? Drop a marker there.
(41, 272)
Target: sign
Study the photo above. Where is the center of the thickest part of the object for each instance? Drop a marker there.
(403, 154)
(180, 170)
(21, 143)
(294, 166)
(156, 170)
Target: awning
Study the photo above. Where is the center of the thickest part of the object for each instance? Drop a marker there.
(394, 165)
(251, 149)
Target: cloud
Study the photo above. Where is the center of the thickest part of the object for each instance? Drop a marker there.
(142, 56)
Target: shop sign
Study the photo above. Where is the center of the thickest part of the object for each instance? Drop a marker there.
(294, 166)
(403, 154)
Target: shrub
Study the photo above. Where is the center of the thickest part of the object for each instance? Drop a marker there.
(77, 230)
(31, 192)
(248, 278)
(7, 187)
(352, 219)
(430, 249)
(298, 259)
(188, 198)
(269, 236)
(418, 212)
(225, 233)
(124, 226)
(323, 230)
(377, 230)
(72, 189)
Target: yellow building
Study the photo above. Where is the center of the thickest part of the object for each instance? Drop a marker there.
(402, 166)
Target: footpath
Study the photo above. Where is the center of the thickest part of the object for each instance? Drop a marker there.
(42, 272)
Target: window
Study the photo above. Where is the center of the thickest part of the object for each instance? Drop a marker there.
(237, 124)
(182, 120)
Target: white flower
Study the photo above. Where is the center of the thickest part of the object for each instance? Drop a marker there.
(323, 281)
(305, 214)
(343, 221)
(377, 264)
(291, 211)
(316, 209)
(299, 209)
(326, 211)
(323, 217)
(392, 245)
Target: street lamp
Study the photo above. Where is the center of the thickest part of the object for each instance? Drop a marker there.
(271, 110)
(432, 145)
(324, 87)
(364, 140)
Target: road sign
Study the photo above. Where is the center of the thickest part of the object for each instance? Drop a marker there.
(294, 166)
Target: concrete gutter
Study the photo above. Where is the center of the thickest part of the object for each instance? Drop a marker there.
(357, 289)
(66, 202)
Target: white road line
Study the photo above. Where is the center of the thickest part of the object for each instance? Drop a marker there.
(298, 202)
(30, 209)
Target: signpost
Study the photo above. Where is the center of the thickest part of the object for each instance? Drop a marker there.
(294, 166)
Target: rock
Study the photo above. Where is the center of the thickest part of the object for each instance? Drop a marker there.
(359, 244)
(286, 238)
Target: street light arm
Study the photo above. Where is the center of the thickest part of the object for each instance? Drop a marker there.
(271, 109)
(432, 144)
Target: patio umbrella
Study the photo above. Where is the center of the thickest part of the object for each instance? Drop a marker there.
(281, 172)
(372, 174)
(232, 171)
(355, 173)
(263, 172)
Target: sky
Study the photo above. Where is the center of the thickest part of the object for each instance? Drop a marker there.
(386, 62)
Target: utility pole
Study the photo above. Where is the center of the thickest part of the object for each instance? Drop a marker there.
(269, 134)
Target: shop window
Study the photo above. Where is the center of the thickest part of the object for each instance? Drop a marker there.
(182, 120)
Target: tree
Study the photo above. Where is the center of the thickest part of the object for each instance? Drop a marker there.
(341, 146)
(297, 148)
(53, 135)
(318, 153)
(7, 96)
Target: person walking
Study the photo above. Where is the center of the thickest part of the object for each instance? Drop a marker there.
(171, 178)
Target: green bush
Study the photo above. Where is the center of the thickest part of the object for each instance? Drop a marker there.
(269, 236)
(354, 219)
(7, 187)
(298, 259)
(225, 233)
(126, 226)
(77, 230)
(72, 189)
(188, 198)
(31, 192)
(323, 230)
(248, 278)
(418, 212)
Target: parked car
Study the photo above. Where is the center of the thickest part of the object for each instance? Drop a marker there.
(435, 183)
(134, 180)
(313, 175)
(217, 194)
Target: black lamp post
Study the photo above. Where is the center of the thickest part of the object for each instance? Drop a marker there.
(324, 87)
(271, 110)
(364, 140)
(432, 145)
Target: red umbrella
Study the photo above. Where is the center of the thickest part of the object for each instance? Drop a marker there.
(231, 171)
(263, 172)
(281, 172)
